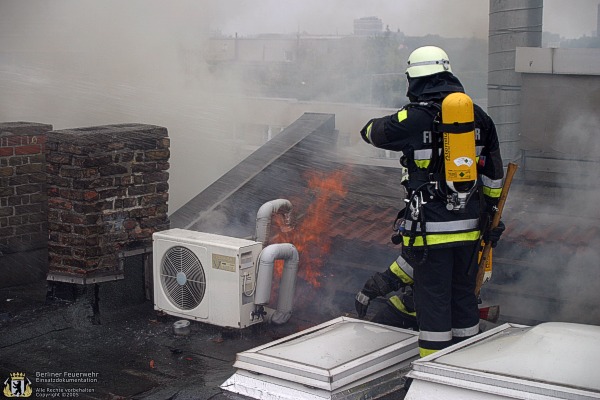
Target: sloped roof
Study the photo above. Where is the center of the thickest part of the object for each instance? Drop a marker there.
(281, 169)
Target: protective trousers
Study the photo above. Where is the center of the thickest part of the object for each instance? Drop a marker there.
(444, 295)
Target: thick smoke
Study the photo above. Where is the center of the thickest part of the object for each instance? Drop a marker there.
(76, 63)
(578, 277)
(85, 63)
(547, 266)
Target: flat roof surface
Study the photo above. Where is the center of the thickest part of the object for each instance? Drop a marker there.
(131, 349)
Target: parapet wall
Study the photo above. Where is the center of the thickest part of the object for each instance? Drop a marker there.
(22, 192)
(23, 222)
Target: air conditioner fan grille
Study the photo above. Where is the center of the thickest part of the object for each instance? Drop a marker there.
(182, 277)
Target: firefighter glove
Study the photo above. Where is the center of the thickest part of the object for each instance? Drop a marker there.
(369, 291)
(492, 235)
(408, 299)
(380, 284)
(361, 303)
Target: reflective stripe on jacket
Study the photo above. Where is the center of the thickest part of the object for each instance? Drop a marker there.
(401, 269)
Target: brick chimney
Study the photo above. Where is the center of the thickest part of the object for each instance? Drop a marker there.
(107, 195)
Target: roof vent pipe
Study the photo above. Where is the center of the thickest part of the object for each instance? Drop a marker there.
(264, 217)
(287, 286)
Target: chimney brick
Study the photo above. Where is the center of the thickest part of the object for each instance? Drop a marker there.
(106, 194)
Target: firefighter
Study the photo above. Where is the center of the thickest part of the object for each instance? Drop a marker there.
(443, 221)
(399, 310)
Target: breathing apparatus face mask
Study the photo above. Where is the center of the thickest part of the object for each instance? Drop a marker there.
(411, 97)
(432, 87)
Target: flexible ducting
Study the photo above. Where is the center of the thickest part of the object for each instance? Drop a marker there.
(287, 286)
(264, 217)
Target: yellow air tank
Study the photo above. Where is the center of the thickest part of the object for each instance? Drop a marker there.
(460, 158)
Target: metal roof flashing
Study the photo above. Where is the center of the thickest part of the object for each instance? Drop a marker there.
(344, 355)
(549, 361)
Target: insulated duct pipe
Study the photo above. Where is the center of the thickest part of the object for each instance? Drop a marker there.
(287, 286)
(264, 217)
(512, 24)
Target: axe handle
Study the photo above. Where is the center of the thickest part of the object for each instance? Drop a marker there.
(510, 172)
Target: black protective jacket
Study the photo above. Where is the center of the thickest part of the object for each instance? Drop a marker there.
(410, 131)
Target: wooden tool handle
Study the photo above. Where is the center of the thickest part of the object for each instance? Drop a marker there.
(510, 172)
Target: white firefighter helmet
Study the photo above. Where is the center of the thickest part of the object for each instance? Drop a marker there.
(427, 60)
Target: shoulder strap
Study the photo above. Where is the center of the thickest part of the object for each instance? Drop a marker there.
(435, 169)
(430, 106)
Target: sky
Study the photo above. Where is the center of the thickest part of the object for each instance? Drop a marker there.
(465, 18)
(456, 18)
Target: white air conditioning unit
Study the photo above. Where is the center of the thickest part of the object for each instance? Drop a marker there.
(205, 277)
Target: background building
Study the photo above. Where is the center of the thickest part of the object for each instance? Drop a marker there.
(368, 26)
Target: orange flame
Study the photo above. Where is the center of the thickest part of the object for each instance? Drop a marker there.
(310, 233)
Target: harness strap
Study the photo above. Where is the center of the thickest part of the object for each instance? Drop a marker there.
(457, 127)
(419, 219)
(426, 176)
(424, 234)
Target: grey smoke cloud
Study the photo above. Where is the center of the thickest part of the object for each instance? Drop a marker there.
(467, 18)
(90, 62)
(547, 269)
